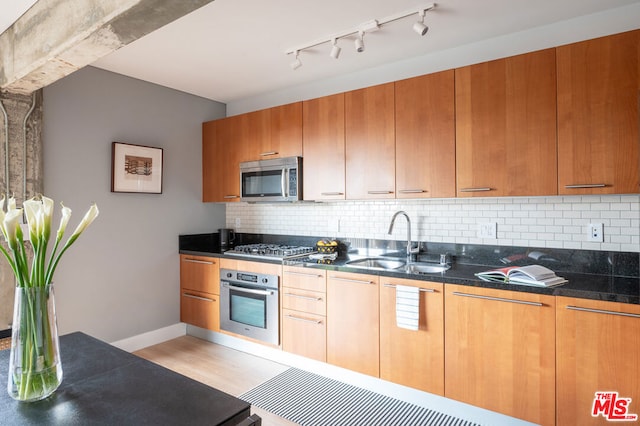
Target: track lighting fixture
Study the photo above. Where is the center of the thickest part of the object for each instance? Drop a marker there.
(335, 49)
(297, 63)
(359, 32)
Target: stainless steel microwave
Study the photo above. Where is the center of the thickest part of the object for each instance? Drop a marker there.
(278, 179)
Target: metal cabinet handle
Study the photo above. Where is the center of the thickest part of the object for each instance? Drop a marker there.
(303, 319)
(303, 274)
(204, 262)
(497, 299)
(379, 192)
(299, 296)
(193, 296)
(227, 197)
(602, 311)
(424, 290)
(480, 189)
(332, 193)
(265, 154)
(352, 281)
(585, 185)
(412, 191)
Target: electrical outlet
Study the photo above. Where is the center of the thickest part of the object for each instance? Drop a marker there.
(488, 230)
(594, 232)
(238, 222)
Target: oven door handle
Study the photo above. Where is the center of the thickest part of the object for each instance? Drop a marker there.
(252, 291)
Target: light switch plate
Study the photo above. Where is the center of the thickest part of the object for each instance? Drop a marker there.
(488, 230)
(595, 232)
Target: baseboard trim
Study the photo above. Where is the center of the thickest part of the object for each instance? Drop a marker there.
(134, 343)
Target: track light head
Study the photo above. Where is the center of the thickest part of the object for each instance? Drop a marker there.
(360, 42)
(419, 27)
(335, 49)
(297, 63)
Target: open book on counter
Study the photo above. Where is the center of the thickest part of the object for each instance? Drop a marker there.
(535, 275)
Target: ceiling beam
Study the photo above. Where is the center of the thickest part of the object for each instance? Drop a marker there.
(57, 37)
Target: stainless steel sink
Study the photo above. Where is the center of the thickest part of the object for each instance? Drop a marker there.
(376, 263)
(427, 268)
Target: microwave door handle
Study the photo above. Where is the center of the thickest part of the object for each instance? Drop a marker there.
(283, 182)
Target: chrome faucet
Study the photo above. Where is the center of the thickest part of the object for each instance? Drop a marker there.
(411, 251)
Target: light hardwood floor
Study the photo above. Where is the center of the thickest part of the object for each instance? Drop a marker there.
(220, 367)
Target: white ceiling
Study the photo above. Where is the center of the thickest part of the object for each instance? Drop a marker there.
(11, 10)
(235, 49)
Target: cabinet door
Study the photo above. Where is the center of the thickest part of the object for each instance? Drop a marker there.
(199, 273)
(305, 278)
(500, 351)
(370, 142)
(353, 320)
(425, 136)
(506, 127)
(323, 148)
(200, 309)
(598, 350)
(256, 135)
(413, 358)
(222, 150)
(598, 97)
(285, 131)
(304, 334)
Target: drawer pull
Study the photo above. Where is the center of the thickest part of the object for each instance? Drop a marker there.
(293, 317)
(228, 197)
(602, 311)
(497, 299)
(299, 296)
(480, 189)
(586, 185)
(203, 262)
(412, 191)
(303, 274)
(424, 290)
(352, 281)
(193, 296)
(379, 192)
(331, 193)
(265, 154)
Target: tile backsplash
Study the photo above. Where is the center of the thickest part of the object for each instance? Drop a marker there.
(554, 222)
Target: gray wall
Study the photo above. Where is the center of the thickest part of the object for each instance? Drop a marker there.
(121, 278)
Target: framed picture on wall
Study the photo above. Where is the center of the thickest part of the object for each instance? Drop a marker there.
(136, 168)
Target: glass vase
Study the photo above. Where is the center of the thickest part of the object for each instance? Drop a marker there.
(35, 371)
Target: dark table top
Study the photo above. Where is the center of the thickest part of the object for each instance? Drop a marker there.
(104, 385)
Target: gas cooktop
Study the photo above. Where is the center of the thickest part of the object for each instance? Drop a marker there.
(269, 251)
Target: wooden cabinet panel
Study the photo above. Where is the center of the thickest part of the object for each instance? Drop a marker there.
(413, 358)
(597, 351)
(223, 146)
(199, 273)
(353, 322)
(598, 126)
(259, 267)
(370, 142)
(425, 136)
(305, 278)
(286, 131)
(500, 351)
(256, 134)
(506, 127)
(323, 148)
(200, 309)
(304, 334)
(304, 301)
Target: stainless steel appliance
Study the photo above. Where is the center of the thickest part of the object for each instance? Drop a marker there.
(269, 251)
(249, 305)
(227, 237)
(278, 179)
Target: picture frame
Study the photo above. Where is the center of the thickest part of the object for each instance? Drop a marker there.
(136, 168)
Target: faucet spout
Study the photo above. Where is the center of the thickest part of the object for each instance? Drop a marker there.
(411, 251)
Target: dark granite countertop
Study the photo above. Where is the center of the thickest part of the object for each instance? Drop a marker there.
(605, 287)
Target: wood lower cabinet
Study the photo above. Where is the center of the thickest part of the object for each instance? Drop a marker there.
(370, 142)
(413, 358)
(506, 127)
(200, 291)
(598, 350)
(353, 322)
(500, 351)
(598, 107)
(304, 310)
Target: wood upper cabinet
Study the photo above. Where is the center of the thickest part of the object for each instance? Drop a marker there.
(500, 351)
(223, 146)
(598, 125)
(370, 142)
(425, 136)
(353, 322)
(323, 148)
(274, 132)
(200, 291)
(413, 358)
(506, 127)
(598, 350)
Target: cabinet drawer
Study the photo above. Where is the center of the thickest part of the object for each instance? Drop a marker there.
(200, 309)
(304, 301)
(305, 278)
(200, 273)
(304, 334)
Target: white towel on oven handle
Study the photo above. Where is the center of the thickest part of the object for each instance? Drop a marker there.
(407, 307)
